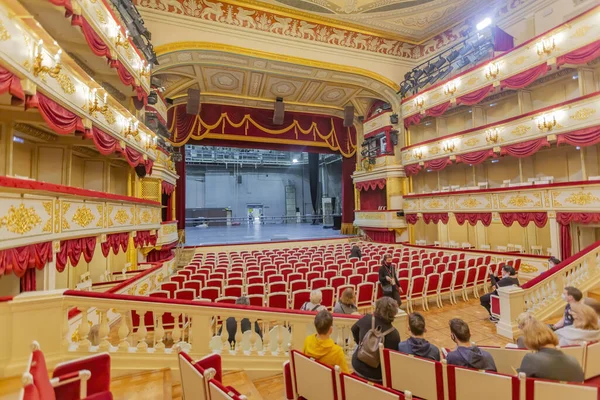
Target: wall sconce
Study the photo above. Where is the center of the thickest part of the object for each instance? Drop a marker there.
(419, 101)
(546, 122)
(491, 135)
(492, 70)
(120, 40)
(418, 153)
(93, 105)
(450, 88)
(131, 128)
(449, 145)
(545, 46)
(145, 70)
(38, 61)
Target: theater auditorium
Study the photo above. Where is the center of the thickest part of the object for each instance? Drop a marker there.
(300, 199)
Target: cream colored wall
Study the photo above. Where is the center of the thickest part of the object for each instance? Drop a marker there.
(3, 135)
(501, 109)
(77, 171)
(23, 158)
(118, 180)
(93, 177)
(554, 93)
(50, 164)
(117, 262)
(9, 285)
(457, 122)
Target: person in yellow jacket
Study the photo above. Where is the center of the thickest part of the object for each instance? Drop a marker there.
(321, 347)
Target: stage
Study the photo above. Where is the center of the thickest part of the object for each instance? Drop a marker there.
(257, 233)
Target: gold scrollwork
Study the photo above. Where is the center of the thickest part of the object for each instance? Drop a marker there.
(100, 16)
(156, 216)
(470, 202)
(65, 83)
(434, 150)
(372, 216)
(48, 206)
(146, 216)
(582, 198)
(583, 114)
(65, 224)
(473, 80)
(520, 60)
(108, 215)
(100, 222)
(171, 228)
(143, 289)
(20, 220)
(122, 217)
(472, 142)
(582, 31)
(435, 204)
(83, 216)
(4, 35)
(528, 268)
(519, 201)
(160, 277)
(520, 130)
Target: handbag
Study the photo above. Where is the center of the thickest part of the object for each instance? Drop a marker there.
(387, 288)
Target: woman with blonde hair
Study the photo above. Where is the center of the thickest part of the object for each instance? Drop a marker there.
(584, 329)
(347, 303)
(522, 320)
(547, 362)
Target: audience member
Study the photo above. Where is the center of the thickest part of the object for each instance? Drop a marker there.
(355, 251)
(522, 320)
(595, 304)
(388, 279)
(321, 347)
(547, 362)
(553, 262)
(416, 344)
(571, 295)
(467, 354)
(584, 329)
(231, 323)
(315, 302)
(508, 279)
(347, 303)
(385, 312)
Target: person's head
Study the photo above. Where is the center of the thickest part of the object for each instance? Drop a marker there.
(507, 271)
(595, 304)
(356, 245)
(244, 301)
(386, 308)
(537, 335)
(387, 259)
(553, 261)
(316, 296)
(324, 322)
(348, 296)
(416, 324)
(584, 317)
(523, 319)
(572, 294)
(459, 331)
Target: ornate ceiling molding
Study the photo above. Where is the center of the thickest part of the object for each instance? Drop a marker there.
(35, 132)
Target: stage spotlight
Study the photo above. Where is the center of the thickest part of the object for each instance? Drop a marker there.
(453, 56)
(484, 23)
(295, 160)
(417, 73)
(466, 49)
(408, 75)
(404, 88)
(438, 64)
(463, 62)
(446, 72)
(429, 69)
(425, 81)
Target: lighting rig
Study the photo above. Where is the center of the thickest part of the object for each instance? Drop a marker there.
(136, 30)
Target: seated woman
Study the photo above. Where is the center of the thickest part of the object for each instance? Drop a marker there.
(584, 329)
(346, 303)
(386, 309)
(547, 362)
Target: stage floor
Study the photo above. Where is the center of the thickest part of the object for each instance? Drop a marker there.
(257, 233)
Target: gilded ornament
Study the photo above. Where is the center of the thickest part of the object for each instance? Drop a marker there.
(581, 32)
(146, 217)
(528, 268)
(100, 222)
(133, 216)
(83, 216)
(472, 142)
(519, 201)
(4, 35)
(521, 130)
(20, 220)
(131, 291)
(65, 83)
(473, 80)
(122, 217)
(169, 229)
(520, 60)
(582, 198)
(65, 224)
(375, 216)
(100, 16)
(470, 203)
(434, 150)
(156, 216)
(160, 277)
(143, 289)
(583, 114)
(436, 95)
(435, 204)
(48, 206)
(108, 215)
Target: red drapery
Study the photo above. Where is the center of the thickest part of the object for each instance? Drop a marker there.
(28, 281)
(61, 120)
(437, 110)
(438, 164)
(524, 218)
(472, 218)
(11, 84)
(94, 40)
(19, 259)
(412, 120)
(180, 195)
(167, 188)
(107, 144)
(476, 96)
(348, 167)
(371, 200)
(524, 78)
(144, 238)
(435, 218)
(476, 157)
(411, 218)
(581, 137)
(412, 169)
(380, 235)
(582, 55)
(524, 149)
(565, 241)
(114, 241)
(371, 185)
(72, 249)
(565, 219)
(161, 254)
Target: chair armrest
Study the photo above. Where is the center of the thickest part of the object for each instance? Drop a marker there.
(81, 375)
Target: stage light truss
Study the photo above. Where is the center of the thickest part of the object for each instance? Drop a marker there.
(134, 23)
(204, 155)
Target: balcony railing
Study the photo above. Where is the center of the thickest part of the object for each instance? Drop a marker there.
(167, 233)
(379, 219)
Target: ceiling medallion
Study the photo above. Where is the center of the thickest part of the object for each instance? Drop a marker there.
(83, 216)
(20, 220)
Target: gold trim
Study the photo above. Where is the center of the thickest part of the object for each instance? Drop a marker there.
(20, 220)
(183, 46)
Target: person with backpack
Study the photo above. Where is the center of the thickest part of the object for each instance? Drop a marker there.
(388, 279)
(314, 305)
(368, 332)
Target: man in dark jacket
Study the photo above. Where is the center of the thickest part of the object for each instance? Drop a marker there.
(508, 279)
(466, 354)
(231, 323)
(416, 344)
(355, 251)
(388, 279)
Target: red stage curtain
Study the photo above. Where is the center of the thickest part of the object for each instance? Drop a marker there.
(114, 241)
(371, 185)
(167, 188)
(437, 110)
(411, 218)
(380, 235)
(19, 259)
(524, 78)
(72, 249)
(94, 40)
(61, 120)
(435, 218)
(371, 200)
(144, 238)
(583, 55)
(412, 120)
(472, 218)
(565, 241)
(28, 281)
(412, 169)
(475, 97)
(524, 218)
(476, 157)
(524, 149)
(180, 195)
(581, 137)
(438, 164)
(565, 219)
(11, 84)
(348, 167)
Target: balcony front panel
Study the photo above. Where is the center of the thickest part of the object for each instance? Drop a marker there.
(379, 219)
(167, 233)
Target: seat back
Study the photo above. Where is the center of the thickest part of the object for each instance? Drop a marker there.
(300, 297)
(194, 285)
(422, 377)
(328, 297)
(354, 388)
(470, 384)
(364, 296)
(185, 294)
(506, 359)
(210, 293)
(277, 300)
(219, 392)
(313, 380)
(495, 306)
(194, 378)
(592, 360)
(537, 389)
(417, 286)
(576, 351)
